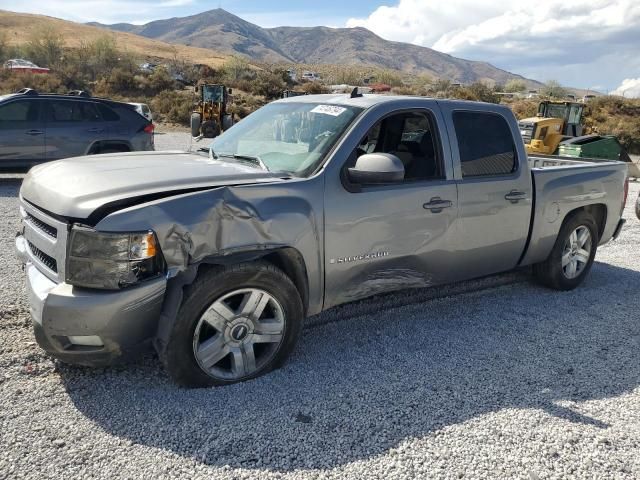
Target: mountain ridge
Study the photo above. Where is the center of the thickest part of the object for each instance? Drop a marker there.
(223, 31)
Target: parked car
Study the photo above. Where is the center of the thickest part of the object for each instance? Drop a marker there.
(292, 74)
(144, 110)
(308, 203)
(22, 65)
(148, 67)
(310, 76)
(36, 128)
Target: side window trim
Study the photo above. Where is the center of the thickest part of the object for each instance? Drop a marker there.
(498, 176)
(438, 148)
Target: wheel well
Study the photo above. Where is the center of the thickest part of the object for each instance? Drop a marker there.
(111, 145)
(292, 264)
(287, 259)
(599, 213)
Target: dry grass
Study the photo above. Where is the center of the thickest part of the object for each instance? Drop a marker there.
(19, 27)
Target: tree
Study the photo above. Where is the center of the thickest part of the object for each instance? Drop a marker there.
(45, 47)
(553, 88)
(514, 86)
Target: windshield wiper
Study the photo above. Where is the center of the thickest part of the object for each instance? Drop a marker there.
(253, 160)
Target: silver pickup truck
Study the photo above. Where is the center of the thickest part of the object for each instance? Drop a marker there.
(216, 257)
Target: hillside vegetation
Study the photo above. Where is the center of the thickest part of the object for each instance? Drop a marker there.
(229, 33)
(108, 66)
(18, 28)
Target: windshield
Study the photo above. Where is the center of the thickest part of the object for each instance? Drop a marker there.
(286, 137)
(556, 111)
(212, 94)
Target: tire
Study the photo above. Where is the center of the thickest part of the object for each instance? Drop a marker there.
(227, 122)
(104, 150)
(109, 150)
(255, 347)
(210, 129)
(195, 124)
(557, 270)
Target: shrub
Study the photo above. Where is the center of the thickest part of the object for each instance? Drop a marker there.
(175, 107)
(269, 85)
(524, 108)
(236, 69)
(553, 89)
(314, 88)
(11, 82)
(514, 86)
(45, 48)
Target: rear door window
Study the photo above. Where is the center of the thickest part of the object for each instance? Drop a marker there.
(72, 111)
(485, 143)
(108, 114)
(19, 111)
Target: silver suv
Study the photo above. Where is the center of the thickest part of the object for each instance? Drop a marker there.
(36, 128)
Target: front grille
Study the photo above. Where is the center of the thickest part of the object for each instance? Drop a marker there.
(45, 259)
(44, 227)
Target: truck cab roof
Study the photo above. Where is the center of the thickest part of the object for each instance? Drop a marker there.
(370, 100)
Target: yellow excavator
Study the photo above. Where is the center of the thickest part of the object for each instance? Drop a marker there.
(211, 114)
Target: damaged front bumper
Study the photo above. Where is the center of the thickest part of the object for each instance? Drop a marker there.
(91, 327)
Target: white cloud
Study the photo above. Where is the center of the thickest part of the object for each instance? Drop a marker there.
(630, 87)
(543, 38)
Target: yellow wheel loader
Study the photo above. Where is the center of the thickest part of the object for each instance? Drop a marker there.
(211, 115)
(555, 122)
(558, 130)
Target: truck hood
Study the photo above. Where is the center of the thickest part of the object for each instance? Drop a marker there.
(76, 187)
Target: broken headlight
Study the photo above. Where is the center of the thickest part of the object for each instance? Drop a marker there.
(112, 260)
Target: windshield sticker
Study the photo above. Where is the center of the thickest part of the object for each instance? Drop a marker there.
(329, 110)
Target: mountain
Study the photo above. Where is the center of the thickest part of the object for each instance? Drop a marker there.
(18, 28)
(223, 31)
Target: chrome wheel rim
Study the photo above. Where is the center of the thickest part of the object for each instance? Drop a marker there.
(238, 334)
(576, 252)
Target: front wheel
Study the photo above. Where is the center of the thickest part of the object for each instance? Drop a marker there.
(572, 256)
(235, 323)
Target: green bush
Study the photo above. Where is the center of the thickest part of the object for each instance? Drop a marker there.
(172, 106)
(269, 85)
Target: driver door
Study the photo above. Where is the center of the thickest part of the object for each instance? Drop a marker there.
(380, 238)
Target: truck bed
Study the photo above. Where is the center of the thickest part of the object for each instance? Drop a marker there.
(564, 184)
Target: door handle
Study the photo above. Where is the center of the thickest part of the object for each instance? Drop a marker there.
(34, 132)
(514, 196)
(436, 205)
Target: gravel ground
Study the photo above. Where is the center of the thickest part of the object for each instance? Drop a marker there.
(505, 379)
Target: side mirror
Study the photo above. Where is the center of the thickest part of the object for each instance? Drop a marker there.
(374, 168)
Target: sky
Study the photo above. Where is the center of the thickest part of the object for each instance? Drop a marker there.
(589, 44)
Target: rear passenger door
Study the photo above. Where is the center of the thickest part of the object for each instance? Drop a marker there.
(21, 133)
(494, 190)
(72, 127)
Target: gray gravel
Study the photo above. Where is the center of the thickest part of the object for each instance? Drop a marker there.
(508, 380)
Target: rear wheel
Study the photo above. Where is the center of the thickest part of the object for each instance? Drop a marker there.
(227, 122)
(572, 256)
(235, 323)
